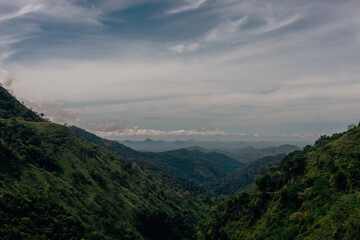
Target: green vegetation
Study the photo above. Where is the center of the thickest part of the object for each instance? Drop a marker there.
(243, 179)
(250, 154)
(182, 169)
(54, 185)
(200, 166)
(311, 194)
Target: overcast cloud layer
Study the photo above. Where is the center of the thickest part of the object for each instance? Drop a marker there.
(156, 68)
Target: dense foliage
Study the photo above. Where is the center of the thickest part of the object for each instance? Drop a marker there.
(244, 178)
(183, 169)
(54, 185)
(251, 154)
(58, 177)
(311, 194)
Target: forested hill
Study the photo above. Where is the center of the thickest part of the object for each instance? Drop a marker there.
(244, 178)
(54, 185)
(311, 194)
(10, 107)
(194, 165)
(144, 161)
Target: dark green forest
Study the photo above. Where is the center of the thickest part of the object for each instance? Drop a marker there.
(244, 178)
(54, 185)
(186, 170)
(310, 194)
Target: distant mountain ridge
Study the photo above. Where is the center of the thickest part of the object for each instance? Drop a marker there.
(150, 145)
(231, 176)
(196, 166)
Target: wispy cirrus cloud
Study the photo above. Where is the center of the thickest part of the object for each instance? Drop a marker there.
(241, 66)
(37, 11)
(21, 12)
(189, 5)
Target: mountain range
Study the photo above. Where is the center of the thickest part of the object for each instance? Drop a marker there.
(149, 145)
(193, 169)
(59, 182)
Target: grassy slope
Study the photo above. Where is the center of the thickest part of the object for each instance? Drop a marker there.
(55, 185)
(312, 194)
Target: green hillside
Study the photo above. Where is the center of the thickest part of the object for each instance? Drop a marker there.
(251, 154)
(54, 185)
(184, 164)
(311, 194)
(244, 178)
(10, 107)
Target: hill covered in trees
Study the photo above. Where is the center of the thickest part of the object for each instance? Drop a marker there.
(251, 154)
(311, 194)
(184, 169)
(54, 185)
(244, 178)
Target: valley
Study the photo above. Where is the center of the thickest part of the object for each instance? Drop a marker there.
(61, 182)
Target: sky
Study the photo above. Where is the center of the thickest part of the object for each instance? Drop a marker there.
(186, 69)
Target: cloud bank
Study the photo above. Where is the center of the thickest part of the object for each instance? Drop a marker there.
(54, 111)
(200, 134)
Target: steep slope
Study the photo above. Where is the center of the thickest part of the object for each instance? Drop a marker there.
(10, 107)
(194, 165)
(142, 160)
(54, 185)
(244, 178)
(312, 194)
(219, 160)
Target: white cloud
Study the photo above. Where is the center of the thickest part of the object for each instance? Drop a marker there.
(275, 24)
(22, 11)
(262, 64)
(49, 10)
(6, 78)
(55, 111)
(181, 48)
(151, 132)
(113, 126)
(190, 5)
(203, 133)
(237, 23)
(21, 20)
